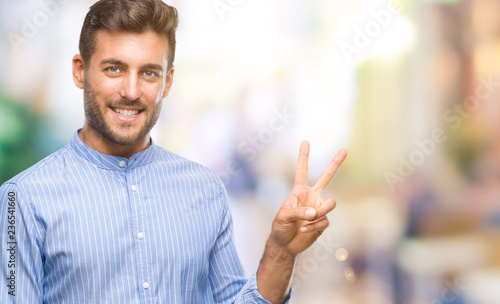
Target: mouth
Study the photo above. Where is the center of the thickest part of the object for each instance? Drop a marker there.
(126, 114)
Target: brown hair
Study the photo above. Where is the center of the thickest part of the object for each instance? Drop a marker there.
(135, 16)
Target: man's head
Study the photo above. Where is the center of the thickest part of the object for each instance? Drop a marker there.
(133, 16)
(125, 68)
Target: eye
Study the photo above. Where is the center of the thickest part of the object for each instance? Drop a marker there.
(113, 69)
(150, 74)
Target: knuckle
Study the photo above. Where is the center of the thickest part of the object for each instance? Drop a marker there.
(278, 220)
(282, 218)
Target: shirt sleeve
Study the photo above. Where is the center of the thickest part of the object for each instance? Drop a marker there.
(227, 278)
(21, 264)
(250, 293)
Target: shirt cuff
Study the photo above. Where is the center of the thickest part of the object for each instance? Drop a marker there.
(250, 293)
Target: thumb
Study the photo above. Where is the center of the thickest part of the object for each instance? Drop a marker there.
(290, 215)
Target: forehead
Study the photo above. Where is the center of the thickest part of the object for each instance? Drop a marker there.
(132, 48)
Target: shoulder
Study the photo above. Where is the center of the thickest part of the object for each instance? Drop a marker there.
(177, 164)
(189, 176)
(36, 171)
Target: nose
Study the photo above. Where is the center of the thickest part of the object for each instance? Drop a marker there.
(130, 87)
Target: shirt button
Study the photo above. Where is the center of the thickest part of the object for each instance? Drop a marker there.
(145, 285)
(122, 164)
(134, 188)
(140, 235)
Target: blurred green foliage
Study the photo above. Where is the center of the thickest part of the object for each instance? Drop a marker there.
(21, 134)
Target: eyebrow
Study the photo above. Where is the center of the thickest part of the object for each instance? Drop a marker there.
(152, 66)
(149, 66)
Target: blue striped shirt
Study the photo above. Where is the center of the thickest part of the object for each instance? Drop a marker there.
(85, 227)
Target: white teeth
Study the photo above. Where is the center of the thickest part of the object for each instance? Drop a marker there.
(126, 113)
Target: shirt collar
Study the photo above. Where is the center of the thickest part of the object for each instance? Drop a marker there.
(111, 162)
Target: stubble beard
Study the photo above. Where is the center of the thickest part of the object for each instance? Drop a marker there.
(95, 118)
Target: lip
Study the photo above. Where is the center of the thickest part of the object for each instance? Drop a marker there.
(127, 119)
(127, 108)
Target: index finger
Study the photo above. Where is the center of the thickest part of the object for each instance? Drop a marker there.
(330, 171)
(302, 164)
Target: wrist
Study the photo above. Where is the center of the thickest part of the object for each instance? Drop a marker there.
(275, 272)
(278, 253)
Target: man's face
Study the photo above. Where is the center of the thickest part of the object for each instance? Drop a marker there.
(125, 82)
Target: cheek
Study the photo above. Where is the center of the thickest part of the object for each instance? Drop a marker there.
(153, 92)
(108, 89)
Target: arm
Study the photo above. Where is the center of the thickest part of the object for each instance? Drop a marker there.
(227, 279)
(21, 264)
(226, 273)
(298, 224)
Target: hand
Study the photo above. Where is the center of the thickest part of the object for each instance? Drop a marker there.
(302, 217)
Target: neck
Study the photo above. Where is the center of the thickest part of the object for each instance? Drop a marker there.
(96, 141)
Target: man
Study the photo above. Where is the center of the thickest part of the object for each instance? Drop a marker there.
(113, 218)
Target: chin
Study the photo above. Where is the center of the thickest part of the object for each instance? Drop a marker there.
(125, 139)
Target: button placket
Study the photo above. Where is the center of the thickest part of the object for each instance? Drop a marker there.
(141, 253)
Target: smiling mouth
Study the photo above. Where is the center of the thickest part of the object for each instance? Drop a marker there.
(126, 113)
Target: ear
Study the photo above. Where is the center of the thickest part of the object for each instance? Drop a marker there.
(168, 81)
(78, 71)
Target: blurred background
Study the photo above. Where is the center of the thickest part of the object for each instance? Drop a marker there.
(410, 88)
